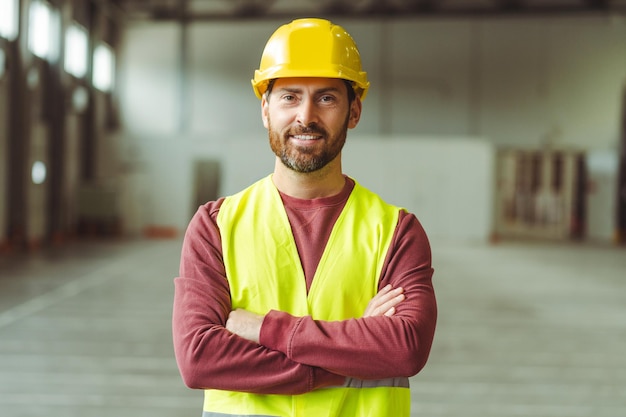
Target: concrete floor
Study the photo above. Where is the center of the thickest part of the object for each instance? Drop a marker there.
(525, 330)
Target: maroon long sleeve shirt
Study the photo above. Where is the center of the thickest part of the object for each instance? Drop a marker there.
(299, 354)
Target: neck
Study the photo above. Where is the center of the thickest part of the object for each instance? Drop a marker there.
(325, 182)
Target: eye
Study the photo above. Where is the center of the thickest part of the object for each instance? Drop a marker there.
(288, 98)
(327, 98)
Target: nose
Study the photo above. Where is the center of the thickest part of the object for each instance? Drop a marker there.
(307, 112)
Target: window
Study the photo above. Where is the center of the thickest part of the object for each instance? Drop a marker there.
(43, 30)
(76, 50)
(8, 19)
(103, 67)
(38, 172)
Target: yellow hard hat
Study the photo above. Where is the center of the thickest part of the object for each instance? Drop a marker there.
(310, 48)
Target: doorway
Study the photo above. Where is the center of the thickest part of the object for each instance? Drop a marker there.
(206, 181)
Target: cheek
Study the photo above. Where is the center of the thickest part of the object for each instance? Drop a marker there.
(277, 119)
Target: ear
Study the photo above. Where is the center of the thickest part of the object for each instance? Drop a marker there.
(265, 111)
(355, 112)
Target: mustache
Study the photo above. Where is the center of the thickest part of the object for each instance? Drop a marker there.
(311, 129)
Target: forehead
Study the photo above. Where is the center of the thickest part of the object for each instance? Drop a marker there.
(310, 83)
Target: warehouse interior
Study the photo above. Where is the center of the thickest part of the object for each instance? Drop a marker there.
(500, 123)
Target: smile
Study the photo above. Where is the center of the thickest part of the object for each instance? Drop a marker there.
(306, 137)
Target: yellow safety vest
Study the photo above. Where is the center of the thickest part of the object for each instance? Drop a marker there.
(264, 272)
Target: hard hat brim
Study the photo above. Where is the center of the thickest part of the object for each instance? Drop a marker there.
(262, 78)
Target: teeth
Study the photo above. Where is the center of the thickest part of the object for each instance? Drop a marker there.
(305, 137)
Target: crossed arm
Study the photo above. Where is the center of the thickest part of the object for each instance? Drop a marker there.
(246, 324)
(281, 354)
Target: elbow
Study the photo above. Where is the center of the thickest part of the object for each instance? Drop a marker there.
(410, 361)
(188, 352)
(194, 372)
(191, 381)
(416, 355)
(404, 362)
(187, 367)
(415, 362)
(197, 350)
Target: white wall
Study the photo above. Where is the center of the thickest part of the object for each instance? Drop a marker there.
(445, 181)
(448, 184)
(553, 81)
(525, 82)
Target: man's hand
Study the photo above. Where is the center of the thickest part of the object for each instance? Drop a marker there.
(245, 324)
(384, 303)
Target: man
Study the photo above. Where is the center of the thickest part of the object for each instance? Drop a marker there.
(305, 294)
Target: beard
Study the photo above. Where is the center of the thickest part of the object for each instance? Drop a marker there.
(307, 159)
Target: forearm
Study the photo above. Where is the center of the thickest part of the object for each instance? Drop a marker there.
(365, 348)
(209, 356)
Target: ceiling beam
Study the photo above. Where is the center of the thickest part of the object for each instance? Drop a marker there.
(259, 9)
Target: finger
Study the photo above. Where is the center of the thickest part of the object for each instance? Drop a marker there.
(392, 303)
(382, 301)
(385, 290)
(380, 308)
(384, 297)
(390, 312)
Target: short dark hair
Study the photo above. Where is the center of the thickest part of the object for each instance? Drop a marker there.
(349, 87)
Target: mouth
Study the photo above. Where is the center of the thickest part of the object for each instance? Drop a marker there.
(308, 137)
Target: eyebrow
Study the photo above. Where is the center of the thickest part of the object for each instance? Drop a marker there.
(297, 90)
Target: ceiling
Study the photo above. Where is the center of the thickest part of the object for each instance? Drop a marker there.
(262, 9)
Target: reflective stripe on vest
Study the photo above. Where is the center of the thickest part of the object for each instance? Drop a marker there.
(264, 272)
